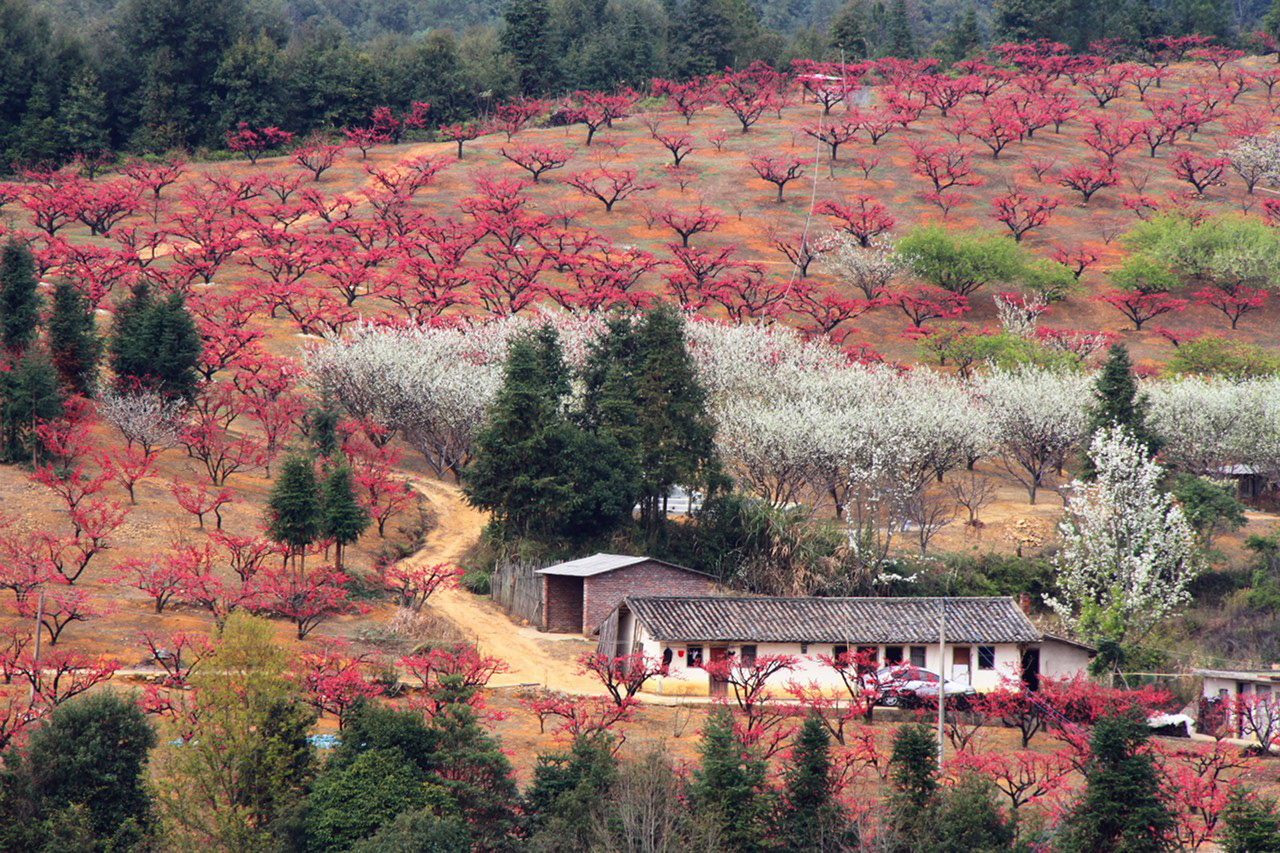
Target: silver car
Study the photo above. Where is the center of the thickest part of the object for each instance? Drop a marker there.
(904, 684)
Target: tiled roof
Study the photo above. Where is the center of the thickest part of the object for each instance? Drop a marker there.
(832, 620)
(598, 564)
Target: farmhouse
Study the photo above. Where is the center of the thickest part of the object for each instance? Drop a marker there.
(987, 639)
(1240, 700)
(579, 594)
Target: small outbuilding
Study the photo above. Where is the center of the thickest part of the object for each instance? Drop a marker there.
(1237, 701)
(988, 639)
(580, 594)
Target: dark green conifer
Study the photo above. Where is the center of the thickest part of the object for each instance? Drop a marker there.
(19, 301)
(810, 817)
(729, 786)
(344, 519)
(294, 507)
(73, 339)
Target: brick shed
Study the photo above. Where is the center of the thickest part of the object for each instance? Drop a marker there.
(580, 594)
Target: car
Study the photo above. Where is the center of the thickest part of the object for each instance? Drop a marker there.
(907, 685)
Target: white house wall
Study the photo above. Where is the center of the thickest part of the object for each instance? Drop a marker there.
(681, 679)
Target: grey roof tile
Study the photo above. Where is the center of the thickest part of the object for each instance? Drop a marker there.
(831, 620)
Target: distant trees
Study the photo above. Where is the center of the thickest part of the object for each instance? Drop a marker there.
(154, 345)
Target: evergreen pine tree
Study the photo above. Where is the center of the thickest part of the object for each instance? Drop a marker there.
(1252, 824)
(526, 38)
(849, 31)
(19, 301)
(322, 427)
(154, 344)
(31, 394)
(344, 518)
(729, 787)
(899, 41)
(84, 115)
(810, 817)
(914, 776)
(1117, 403)
(294, 507)
(569, 791)
(73, 339)
(964, 38)
(1122, 807)
(677, 435)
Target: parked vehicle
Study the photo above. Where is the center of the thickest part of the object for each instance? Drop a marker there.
(907, 685)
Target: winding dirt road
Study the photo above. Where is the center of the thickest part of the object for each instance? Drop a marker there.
(533, 657)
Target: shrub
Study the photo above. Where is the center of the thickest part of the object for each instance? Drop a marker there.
(1213, 355)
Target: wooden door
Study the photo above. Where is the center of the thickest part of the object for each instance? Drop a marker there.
(960, 665)
(719, 687)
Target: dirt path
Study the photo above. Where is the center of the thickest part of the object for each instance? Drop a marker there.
(533, 657)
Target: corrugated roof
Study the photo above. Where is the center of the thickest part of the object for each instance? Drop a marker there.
(598, 564)
(832, 620)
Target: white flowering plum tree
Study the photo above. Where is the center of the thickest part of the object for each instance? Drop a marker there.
(1128, 552)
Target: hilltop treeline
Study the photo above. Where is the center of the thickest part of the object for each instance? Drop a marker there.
(152, 75)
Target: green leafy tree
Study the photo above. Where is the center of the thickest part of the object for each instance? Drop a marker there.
(352, 801)
(1252, 824)
(294, 506)
(810, 816)
(83, 772)
(1210, 507)
(969, 818)
(729, 787)
(1117, 403)
(244, 768)
(343, 517)
(1271, 20)
(1215, 355)
(1122, 807)
(154, 344)
(73, 339)
(961, 262)
(19, 301)
(419, 832)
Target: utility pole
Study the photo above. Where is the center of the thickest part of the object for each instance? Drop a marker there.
(36, 657)
(942, 680)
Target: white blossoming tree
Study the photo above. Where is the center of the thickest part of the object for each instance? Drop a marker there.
(1128, 552)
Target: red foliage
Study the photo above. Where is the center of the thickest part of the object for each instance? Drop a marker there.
(582, 716)
(749, 93)
(333, 680)
(623, 676)
(689, 223)
(460, 132)
(307, 599)
(1234, 303)
(537, 160)
(923, 303)
(779, 171)
(253, 142)
(317, 157)
(414, 583)
(748, 681)
(945, 166)
(607, 187)
(1140, 307)
(1021, 212)
(1199, 170)
(1077, 260)
(863, 219)
(1088, 178)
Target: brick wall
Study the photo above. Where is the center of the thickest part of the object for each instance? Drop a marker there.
(562, 604)
(603, 592)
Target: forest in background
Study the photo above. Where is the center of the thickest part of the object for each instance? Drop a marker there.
(154, 75)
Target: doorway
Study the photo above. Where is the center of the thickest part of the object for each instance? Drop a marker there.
(719, 687)
(1031, 668)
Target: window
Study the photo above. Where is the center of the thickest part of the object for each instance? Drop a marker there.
(892, 654)
(869, 656)
(666, 660)
(804, 648)
(917, 656)
(837, 651)
(986, 657)
(748, 655)
(694, 654)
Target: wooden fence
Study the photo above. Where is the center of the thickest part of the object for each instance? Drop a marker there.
(517, 590)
